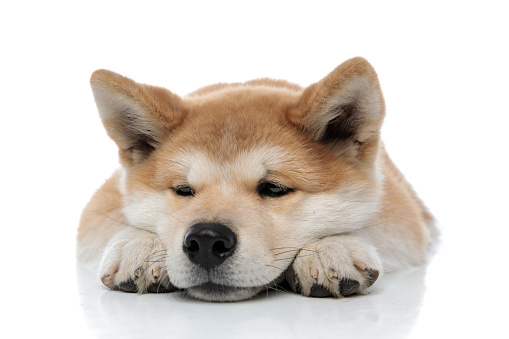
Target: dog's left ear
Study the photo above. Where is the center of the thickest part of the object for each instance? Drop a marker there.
(344, 110)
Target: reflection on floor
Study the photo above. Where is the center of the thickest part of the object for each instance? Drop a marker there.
(390, 310)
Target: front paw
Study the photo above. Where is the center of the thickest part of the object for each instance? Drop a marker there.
(134, 261)
(336, 266)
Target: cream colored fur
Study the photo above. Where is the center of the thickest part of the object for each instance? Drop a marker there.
(348, 217)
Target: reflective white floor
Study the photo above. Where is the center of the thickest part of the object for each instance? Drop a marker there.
(391, 309)
(444, 299)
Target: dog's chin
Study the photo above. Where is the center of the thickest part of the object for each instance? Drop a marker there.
(221, 293)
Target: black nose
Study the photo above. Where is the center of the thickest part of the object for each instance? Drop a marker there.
(209, 244)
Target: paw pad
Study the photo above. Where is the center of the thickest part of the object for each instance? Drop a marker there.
(158, 288)
(348, 287)
(372, 277)
(128, 286)
(318, 291)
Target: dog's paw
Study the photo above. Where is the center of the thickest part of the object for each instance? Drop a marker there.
(336, 266)
(134, 261)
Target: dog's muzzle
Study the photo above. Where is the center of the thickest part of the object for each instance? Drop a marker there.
(209, 244)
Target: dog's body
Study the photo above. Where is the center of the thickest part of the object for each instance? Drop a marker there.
(232, 189)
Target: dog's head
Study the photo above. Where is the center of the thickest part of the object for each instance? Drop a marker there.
(237, 178)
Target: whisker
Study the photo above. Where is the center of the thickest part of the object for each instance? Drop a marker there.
(296, 250)
(157, 252)
(369, 226)
(307, 255)
(279, 268)
(280, 288)
(155, 256)
(282, 248)
(275, 287)
(106, 215)
(300, 256)
(264, 285)
(161, 281)
(174, 217)
(154, 262)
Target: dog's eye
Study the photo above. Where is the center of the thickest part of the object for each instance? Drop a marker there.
(272, 190)
(184, 191)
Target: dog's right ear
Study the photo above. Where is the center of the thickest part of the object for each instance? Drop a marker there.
(137, 117)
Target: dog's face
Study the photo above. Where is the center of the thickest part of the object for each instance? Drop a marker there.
(237, 179)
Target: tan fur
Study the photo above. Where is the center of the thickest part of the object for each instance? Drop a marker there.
(101, 219)
(349, 206)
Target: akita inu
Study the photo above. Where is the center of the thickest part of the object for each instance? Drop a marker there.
(237, 187)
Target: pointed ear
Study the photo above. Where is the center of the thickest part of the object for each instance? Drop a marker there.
(137, 117)
(344, 110)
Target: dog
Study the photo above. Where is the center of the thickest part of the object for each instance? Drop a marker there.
(236, 188)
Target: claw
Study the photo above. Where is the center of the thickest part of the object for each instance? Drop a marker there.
(107, 281)
(360, 265)
(313, 272)
(156, 272)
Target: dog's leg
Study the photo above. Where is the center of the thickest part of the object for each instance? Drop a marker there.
(128, 258)
(135, 261)
(335, 266)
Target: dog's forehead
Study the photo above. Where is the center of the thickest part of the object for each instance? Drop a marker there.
(236, 133)
(246, 166)
(237, 116)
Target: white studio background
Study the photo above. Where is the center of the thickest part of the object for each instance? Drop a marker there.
(442, 65)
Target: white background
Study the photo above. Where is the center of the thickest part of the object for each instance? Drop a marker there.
(443, 69)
